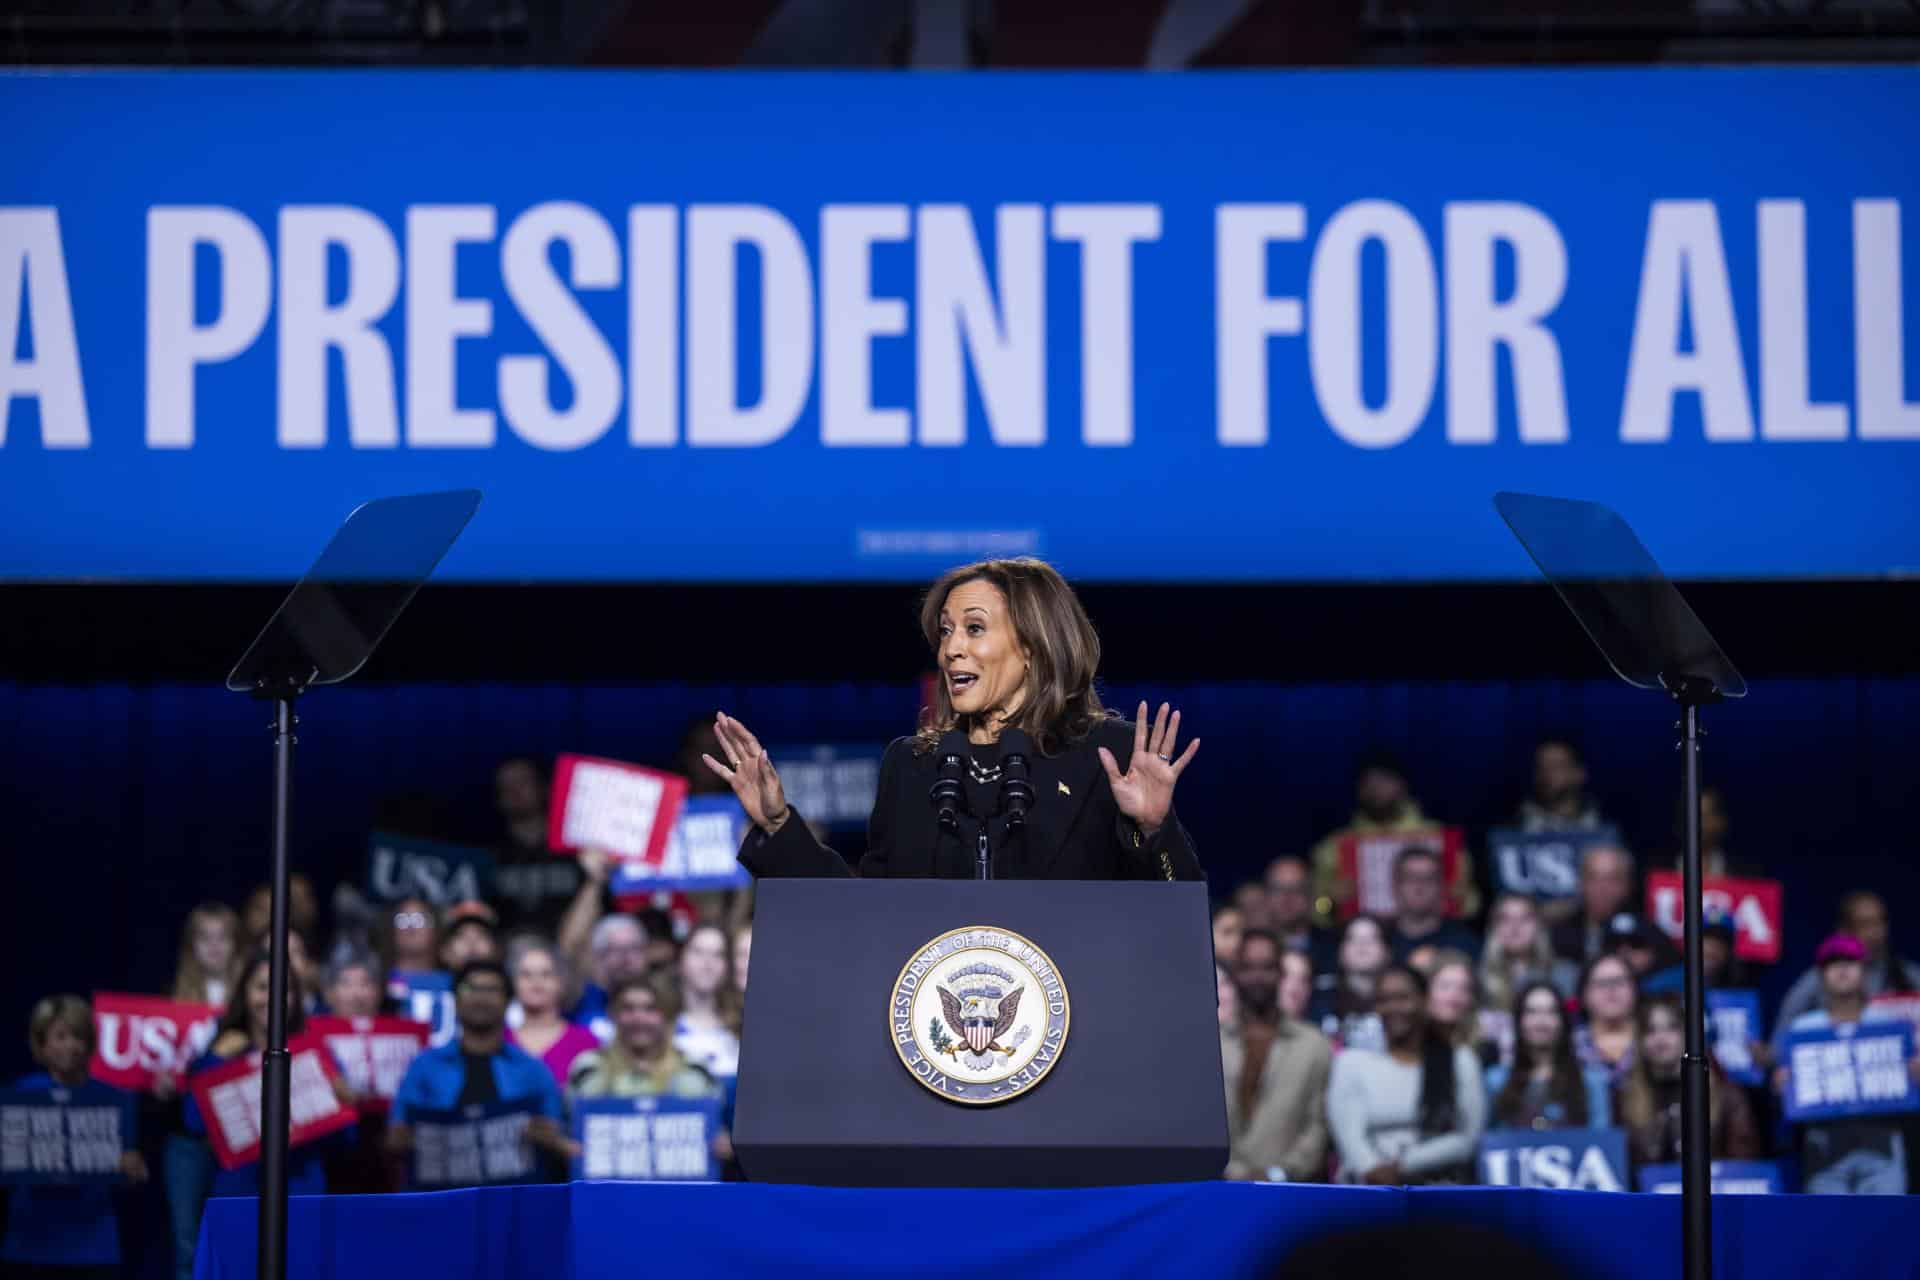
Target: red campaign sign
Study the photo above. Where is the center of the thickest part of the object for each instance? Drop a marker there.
(626, 809)
(1754, 906)
(373, 1053)
(1366, 862)
(139, 1037)
(1901, 1004)
(229, 1100)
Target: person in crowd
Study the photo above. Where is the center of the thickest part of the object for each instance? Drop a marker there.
(209, 953)
(1862, 917)
(1276, 1076)
(1346, 995)
(1641, 944)
(1861, 1155)
(67, 1232)
(1453, 1003)
(1608, 997)
(531, 886)
(1420, 894)
(1721, 968)
(539, 991)
(640, 1060)
(1413, 1112)
(1228, 926)
(470, 931)
(1517, 954)
(1649, 1096)
(1296, 988)
(1715, 823)
(408, 940)
(664, 928)
(1226, 998)
(354, 988)
(742, 953)
(480, 1066)
(617, 948)
(1250, 900)
(1559, 801)
(242, 1033)
(1383, 804)
(1546, 1087)
(707, 1032)
(1289, 884)
(1606, 889)
(303, 911)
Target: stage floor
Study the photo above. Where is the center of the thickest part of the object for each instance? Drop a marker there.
(682, 1231)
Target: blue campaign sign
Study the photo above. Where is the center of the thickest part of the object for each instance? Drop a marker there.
(1856, 1070)
(830, 784)
(64, 1137)
(1728, 1178)
(426, 998)
(473, 1146)
(1575, 1159)
(1544, 865)
(443, 874)
(1245, 327)
(1733, 1028)
(646, 1139)
(703, 851)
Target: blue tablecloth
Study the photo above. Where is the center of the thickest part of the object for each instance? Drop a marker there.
(596, 1231)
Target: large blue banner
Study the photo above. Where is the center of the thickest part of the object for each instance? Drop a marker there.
(1253, 327)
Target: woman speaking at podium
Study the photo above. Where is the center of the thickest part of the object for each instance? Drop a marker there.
(1015, 703)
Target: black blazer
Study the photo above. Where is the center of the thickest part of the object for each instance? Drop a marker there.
(1074, 831)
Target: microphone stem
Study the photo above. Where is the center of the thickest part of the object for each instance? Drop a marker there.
(982, 860)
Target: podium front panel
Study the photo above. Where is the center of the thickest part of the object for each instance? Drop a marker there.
(1135, 1095)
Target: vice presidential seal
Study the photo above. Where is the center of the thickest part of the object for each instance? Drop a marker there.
(979, 1015)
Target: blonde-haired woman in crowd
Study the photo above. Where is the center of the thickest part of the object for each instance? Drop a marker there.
(1518, 954)
(209, 955)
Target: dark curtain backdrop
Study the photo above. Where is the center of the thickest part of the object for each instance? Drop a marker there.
(125, 805)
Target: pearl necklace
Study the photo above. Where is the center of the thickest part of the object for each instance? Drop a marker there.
(981, 774)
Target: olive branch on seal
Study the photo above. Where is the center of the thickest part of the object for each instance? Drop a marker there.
(937, 1034)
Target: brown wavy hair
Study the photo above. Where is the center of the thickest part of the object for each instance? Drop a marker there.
(1061, 706)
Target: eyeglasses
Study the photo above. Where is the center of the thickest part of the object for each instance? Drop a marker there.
(409, 920)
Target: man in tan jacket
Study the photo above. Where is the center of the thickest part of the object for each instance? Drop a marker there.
(1276, 1076)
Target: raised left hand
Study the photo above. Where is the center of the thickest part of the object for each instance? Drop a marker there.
(1145, 791)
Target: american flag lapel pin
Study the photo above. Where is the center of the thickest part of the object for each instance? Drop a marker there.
(1064, 790)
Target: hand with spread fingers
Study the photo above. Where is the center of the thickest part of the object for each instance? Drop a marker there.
(1144, 792)
(750, 773)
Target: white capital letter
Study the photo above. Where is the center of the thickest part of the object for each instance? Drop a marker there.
(175, 344)
(437, 318)
(33, 275)
(1684, 265)
(1244, 316)
(653, 324)
(1333, 324)
(1882, 410)
(1476, 324)
(562, 325)
(851, 318)
(309, 325)
(1107, 234)
(1786, 412)
(715, 233)
(957, 316)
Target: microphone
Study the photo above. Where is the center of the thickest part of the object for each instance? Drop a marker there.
(946, 795)
(1016, 783)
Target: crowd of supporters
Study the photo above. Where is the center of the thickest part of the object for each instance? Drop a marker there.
(1357, 1044)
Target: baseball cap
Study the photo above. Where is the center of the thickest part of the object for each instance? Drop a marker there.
(1839, 946)
(472, 911)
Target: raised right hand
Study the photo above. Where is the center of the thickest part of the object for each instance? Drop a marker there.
(751, 775)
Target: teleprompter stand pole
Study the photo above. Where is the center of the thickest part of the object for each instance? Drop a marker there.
(276, 1069)
(1691, 692)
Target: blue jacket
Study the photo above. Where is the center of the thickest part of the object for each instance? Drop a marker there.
(434, 1080)
(1599, 1095)
(64, 1226)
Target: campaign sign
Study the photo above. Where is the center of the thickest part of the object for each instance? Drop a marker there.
(1565, 1159)
(1729, 1178)
(426, 998)
(61, 1136)
(1859, 1070)
(139, 1037)
(1544, 865)
(1754, 906)
(1733, 1025)
(229, 1100)
(405, 866)
(829, 784)
(626, 809)
(703, 852)
(472, 1146)
(1366, 862)
(373, 1053)
(646, 1139)
(1904, 1005)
